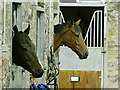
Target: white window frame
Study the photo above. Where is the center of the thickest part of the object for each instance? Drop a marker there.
(40, 31)
(17, 15)
(90, 1)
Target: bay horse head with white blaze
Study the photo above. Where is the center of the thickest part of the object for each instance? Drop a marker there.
(23, 53)
(70, 34)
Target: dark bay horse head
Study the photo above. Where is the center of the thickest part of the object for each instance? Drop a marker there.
(70, 34)
(24, 54)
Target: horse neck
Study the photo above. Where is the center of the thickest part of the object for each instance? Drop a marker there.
(58, 40)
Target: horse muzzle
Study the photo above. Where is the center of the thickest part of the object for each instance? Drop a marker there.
(85, 55)
(82, 56)
(38, 73)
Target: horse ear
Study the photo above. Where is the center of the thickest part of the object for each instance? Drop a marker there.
(27, 30)
(78, 22)
(15, 29)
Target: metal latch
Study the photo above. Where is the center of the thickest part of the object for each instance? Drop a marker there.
(103, 51)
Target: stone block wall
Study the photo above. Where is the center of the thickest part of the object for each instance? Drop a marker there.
(19, 78)
(112, 45)
(29, 16)
(6, 39)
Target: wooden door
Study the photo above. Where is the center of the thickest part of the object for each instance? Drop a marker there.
(88, 79)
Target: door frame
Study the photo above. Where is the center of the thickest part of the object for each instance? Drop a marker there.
(103, 74)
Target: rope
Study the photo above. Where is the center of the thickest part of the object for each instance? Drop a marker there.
(7, 71)
(33, 80)
(2, 74)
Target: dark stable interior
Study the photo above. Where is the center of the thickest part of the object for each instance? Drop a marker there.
(83, 13)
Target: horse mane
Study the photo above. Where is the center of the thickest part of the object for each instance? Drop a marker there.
(58, 28)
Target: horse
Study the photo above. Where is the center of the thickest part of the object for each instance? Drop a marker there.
(70, 34)
(23, 52)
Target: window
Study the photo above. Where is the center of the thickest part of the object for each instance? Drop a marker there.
(40, 35)
(17, 15)
(92, 22)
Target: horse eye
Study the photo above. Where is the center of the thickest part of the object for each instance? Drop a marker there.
(76, 35)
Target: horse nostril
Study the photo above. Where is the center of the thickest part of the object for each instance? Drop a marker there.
(86, 54)
(40, 71)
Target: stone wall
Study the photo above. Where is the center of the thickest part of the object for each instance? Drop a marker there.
(1, 25)
(119, 45)
(29, 16)
(112, 46)
(18, 77)
(6, 44)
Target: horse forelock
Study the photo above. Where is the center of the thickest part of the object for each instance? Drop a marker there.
(21, 38)
(77, 27)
